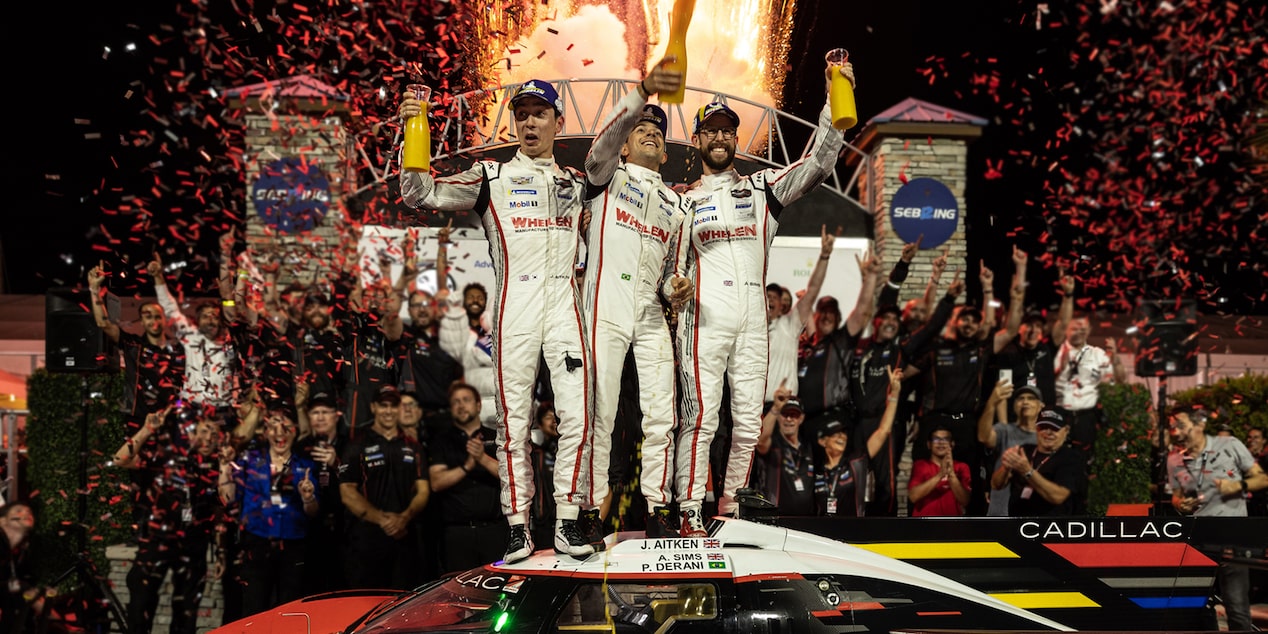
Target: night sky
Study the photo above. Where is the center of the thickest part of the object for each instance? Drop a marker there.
(1117, 143)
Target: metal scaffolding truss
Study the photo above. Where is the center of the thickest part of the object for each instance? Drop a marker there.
(482, 119)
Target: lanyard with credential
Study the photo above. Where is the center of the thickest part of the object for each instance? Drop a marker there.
(1201, 474)
(276, 480)
(1046, 458)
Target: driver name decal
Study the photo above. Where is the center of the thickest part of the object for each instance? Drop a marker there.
(685, 561)
(683, 543)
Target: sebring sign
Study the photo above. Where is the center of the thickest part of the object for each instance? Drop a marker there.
(924, 209)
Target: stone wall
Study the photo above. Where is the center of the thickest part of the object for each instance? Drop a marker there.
(318, 142)
(209, 613)
(896, 159)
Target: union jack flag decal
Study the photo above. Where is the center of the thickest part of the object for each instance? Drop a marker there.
(712, 543)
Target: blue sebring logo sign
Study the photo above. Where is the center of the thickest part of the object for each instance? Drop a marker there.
(292, 195)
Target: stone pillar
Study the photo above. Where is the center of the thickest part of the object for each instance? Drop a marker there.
(911, 140)
(299, 166)
(210, 611)
(914, 140)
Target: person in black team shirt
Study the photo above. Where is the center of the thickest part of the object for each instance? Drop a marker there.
(21, 600)
(545, 439)
(1043, 478)
(840, 485)
(915, 313)
(184, 510)
(426, 369)
(154, 364)
(323, 343)
(370, 349)
(1030, 355)
(153, 370)
(952, 371)
(875, 357)
(464, 474)
(273, 346)
(324, 444)
(825, 348)
(787, 472)
(383, 485)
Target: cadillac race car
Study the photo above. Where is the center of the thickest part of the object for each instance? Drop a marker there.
(745, 577)
(808, 575)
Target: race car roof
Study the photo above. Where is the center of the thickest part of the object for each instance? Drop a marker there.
(741, 550)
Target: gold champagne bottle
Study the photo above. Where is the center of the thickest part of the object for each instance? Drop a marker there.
(417, 153)
(679, 20)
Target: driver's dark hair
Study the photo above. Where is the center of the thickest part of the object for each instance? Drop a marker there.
(140, 309)
(207, 304)
(1197, 413)
(8, 507)
(459, 385)
(936, 429)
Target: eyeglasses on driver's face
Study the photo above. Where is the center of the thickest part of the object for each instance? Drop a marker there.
(709, 133)
(940, 440)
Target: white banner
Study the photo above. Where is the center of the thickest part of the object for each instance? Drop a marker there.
(792, 258)
(468, 255)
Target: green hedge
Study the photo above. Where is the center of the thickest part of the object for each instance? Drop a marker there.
(1120, 471)
(1241, 402)
(1121, 467)
(57, 414)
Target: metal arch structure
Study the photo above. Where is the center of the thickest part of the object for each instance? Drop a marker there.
(768, 137)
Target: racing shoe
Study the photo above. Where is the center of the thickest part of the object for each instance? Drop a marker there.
(660, 523)
(692, 523)
(591, 527)
(520, 545)
(570, 541)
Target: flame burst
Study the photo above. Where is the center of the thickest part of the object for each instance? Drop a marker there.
(737, 47)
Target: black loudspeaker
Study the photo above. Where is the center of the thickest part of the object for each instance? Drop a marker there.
(72, 340)
(1166, 336)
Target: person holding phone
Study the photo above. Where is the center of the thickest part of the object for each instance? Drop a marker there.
(998, 437)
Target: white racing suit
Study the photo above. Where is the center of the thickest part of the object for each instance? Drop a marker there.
(531, 211)
(635, 222)
(723, 330)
